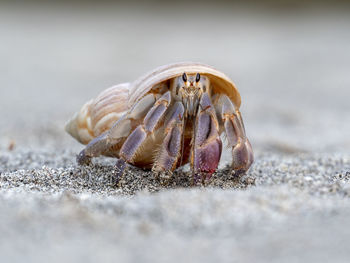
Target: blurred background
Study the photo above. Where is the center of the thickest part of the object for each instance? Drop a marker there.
(289, 59)
(291, 63)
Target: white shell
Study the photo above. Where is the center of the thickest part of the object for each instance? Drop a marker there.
(220, 82)
(99, 115)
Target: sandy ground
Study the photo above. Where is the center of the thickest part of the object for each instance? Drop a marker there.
(293, 73)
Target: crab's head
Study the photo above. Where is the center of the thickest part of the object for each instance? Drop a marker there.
(189, 88)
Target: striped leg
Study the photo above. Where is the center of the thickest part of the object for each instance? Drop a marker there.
(207, 146)
(242, 153)
(168, 156)
(110, 141)
(134, 141)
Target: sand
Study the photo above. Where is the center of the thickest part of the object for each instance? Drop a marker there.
(292, 206)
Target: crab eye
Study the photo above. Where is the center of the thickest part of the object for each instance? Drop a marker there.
(198, 77)
(184, 77)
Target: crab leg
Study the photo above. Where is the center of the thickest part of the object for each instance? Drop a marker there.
(206, 151)
(242, 153)
(112, 140)
(169, 153)
(134, 141)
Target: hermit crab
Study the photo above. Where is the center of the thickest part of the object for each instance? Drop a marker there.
(171, 116)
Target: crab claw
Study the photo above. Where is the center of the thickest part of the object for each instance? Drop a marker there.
(242, 157)
(242, 152)
(207, 146)
(207, 158)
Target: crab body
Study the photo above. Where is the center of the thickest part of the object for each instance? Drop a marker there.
(169, 117)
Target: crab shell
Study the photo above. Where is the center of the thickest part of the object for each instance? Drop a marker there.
(99, 115)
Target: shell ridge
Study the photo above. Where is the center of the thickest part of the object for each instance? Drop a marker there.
(145, 83)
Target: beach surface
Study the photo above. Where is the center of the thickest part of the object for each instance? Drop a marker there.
(292, 69)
